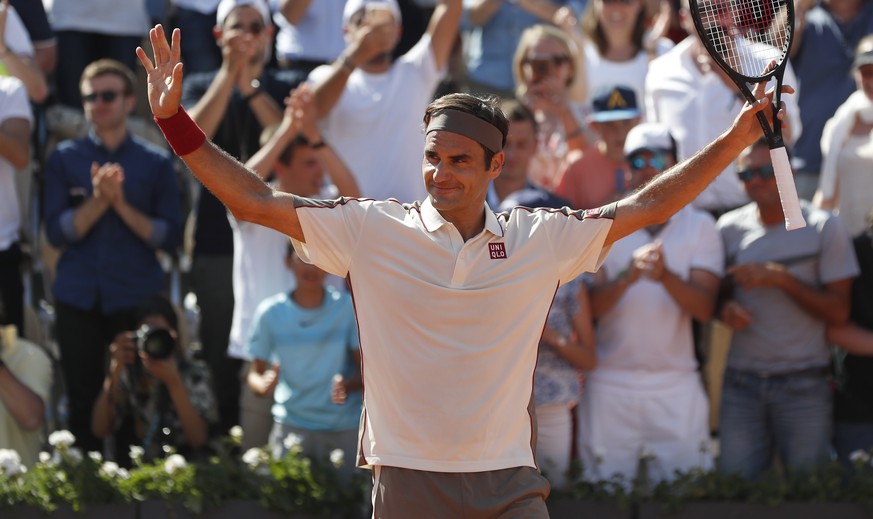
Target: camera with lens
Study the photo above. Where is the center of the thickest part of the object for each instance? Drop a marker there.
(157, 343)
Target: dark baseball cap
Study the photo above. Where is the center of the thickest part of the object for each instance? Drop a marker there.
(613, 103)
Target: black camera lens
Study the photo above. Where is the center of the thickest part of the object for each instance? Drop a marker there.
(157, 343)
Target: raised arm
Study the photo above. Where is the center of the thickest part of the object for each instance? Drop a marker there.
(293, 10)
(443, 30)
(240, 189)
(679, 185)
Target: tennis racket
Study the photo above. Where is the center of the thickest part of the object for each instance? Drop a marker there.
(750, 40)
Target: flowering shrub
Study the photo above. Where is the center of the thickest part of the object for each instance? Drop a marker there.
(294, 483)
(290, 484)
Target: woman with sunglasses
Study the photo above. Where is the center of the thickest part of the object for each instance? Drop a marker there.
(545, 67)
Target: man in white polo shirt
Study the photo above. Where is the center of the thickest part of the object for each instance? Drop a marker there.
(450, 297)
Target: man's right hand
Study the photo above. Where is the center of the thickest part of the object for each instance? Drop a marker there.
(165, 75)
(122, 352)
(370, 42)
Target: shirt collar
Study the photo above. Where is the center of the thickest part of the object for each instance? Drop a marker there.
(433, 220)
(98, 142)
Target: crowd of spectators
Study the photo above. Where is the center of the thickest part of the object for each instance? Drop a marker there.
(138, 311)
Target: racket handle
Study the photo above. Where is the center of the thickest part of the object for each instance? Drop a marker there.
(787, 190)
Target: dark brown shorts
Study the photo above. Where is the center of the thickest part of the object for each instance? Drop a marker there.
(514, 493)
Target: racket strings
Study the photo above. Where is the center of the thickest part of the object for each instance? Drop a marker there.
(747, 34)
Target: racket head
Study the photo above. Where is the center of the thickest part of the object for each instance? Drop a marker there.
(742, 36)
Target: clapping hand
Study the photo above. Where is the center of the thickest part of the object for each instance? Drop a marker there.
(165, 74)
(107, 181)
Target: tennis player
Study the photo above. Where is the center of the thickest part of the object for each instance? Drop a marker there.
(450, 296)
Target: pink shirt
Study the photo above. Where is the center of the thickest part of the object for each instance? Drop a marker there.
(591, 179)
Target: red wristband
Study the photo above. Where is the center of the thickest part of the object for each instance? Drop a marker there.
(181, 132)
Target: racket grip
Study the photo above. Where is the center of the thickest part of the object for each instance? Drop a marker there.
(787, 190)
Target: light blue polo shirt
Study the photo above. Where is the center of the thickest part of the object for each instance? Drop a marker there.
(310, 345)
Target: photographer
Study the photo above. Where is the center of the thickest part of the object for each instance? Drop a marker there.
(153, 386)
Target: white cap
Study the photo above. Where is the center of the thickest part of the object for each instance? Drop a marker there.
(649, 137)
(226, 6)
(353, 6)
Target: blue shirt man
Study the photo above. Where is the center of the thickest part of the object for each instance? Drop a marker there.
(111, 201)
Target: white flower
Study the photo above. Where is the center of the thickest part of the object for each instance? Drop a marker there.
(859, 457)
(109, 469)
(44, 457)
(254, 457)
(61, 476)
(236, 433)
(599, 455)
(337, 456)
(292, 441)
(96, 456)
(174, 463)
(61, 439)
(10, 463)
(73, 455)
(122, 473)
(136, 452)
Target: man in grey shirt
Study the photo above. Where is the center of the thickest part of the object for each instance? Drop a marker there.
(786, 288)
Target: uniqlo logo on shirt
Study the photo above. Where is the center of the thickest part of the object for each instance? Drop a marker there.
(498, 250)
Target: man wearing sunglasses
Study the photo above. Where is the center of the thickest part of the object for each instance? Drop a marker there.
(645, 398)
(111, 201)
(782, 290)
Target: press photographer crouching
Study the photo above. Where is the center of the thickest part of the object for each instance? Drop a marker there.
(154, 395)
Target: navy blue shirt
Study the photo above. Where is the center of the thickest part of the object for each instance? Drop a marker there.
(110, 265)
(823, 65)
(533, 196)
(238, 134)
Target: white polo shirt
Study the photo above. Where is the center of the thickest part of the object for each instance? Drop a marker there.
(449, 329)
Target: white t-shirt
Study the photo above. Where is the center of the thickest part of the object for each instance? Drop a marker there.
(697, 108)
(259, 272)
(17, 37)
(376, 125)
(318, 36)
(645, 339)
(449, 329)
(101, 17)
(601, 72)
(13, 104)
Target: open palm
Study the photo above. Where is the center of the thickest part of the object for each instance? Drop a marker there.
(165, 74)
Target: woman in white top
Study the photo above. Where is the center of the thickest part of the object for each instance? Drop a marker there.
(618, 45)
(846, 182)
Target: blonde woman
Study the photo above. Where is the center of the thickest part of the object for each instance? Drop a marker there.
(545, 68)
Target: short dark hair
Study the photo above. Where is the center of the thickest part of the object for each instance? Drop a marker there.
(516, 111)
(288, 153)
(485, 108)
(104, 67)
(156, 305)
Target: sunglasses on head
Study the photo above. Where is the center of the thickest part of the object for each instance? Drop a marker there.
(107, 96)
(762, 172)
(657, 161)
